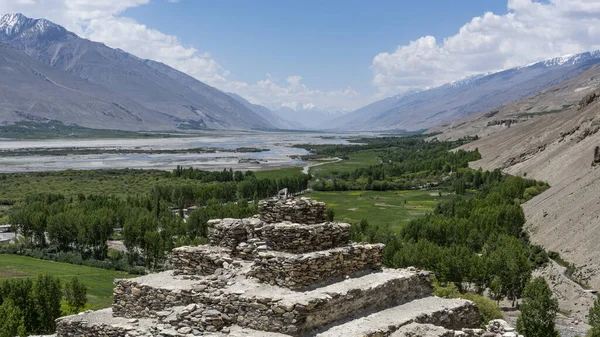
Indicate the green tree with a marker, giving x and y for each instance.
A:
(538, 310)
(47, 294)
(509, 263)
(75, 294)
(12, 322)
(496, 290)
(594, 319)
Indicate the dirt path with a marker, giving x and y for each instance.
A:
(306, 168)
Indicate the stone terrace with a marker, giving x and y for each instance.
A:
(286, 272)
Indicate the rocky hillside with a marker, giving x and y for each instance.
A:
(33, 91)
(424, 109)
(562, 149)
(181, 99)
(553, 100)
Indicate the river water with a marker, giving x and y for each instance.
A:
(279, 143)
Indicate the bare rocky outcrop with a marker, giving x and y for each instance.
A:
(596, 156)
(263, 277)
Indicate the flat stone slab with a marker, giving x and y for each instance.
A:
(96, 323)
(251, 289)
(163, 280)
(447, 313)
(293, 312)
(423, 330)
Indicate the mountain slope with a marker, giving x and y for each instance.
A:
(33, 91)
(552, 100)
(425, 109)
(558, 148)
(268, 114)
(154, 85)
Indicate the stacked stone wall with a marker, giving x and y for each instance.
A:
(299, 238)
(245, 237)
(302, 210)
(294, 318)
(297, 271)
(134, 300)
(199, 260)
(229, 233)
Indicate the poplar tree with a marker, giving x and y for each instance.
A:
(538, 310)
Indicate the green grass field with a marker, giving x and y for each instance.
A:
(279, 173)
(356, 160)
(98, 281)
(394, 208)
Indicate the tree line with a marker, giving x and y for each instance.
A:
(78, 228)
(405, 163)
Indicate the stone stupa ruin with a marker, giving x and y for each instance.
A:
(285, 272)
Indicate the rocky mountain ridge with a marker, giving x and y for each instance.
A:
(425, 109)
(182, 100)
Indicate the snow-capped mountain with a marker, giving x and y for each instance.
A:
(268, 114)
(309, 114)
(181, 100)
(457, 99)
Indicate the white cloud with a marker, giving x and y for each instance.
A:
(101, 20)
(530, 31)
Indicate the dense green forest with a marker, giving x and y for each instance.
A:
(475, 242)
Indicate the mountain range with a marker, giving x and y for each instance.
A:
(120, 87)
(421, 110)
(50, 74)
(310, 115)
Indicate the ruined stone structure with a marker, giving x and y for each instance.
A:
(285, 272)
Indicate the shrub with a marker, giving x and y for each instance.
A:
(330, 214)
(487, 307)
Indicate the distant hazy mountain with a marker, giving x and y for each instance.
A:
(311, 115)
(268, 114)
(425, 109)
(181, 99)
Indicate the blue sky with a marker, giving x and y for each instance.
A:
(337, 55)
(330, 43)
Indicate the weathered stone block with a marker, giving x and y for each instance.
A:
(302, 270)
(200, 260)
(299, 210)
(299, 238)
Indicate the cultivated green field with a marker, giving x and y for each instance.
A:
(394, 208)
(356, 160)
(278, 173)
(98, 281)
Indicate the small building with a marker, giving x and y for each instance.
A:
(6, 238)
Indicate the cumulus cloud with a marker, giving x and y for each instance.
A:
(530, 31)
(102, 21)
(275, 93)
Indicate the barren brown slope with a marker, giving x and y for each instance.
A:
(557, 148)
(556, 99)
